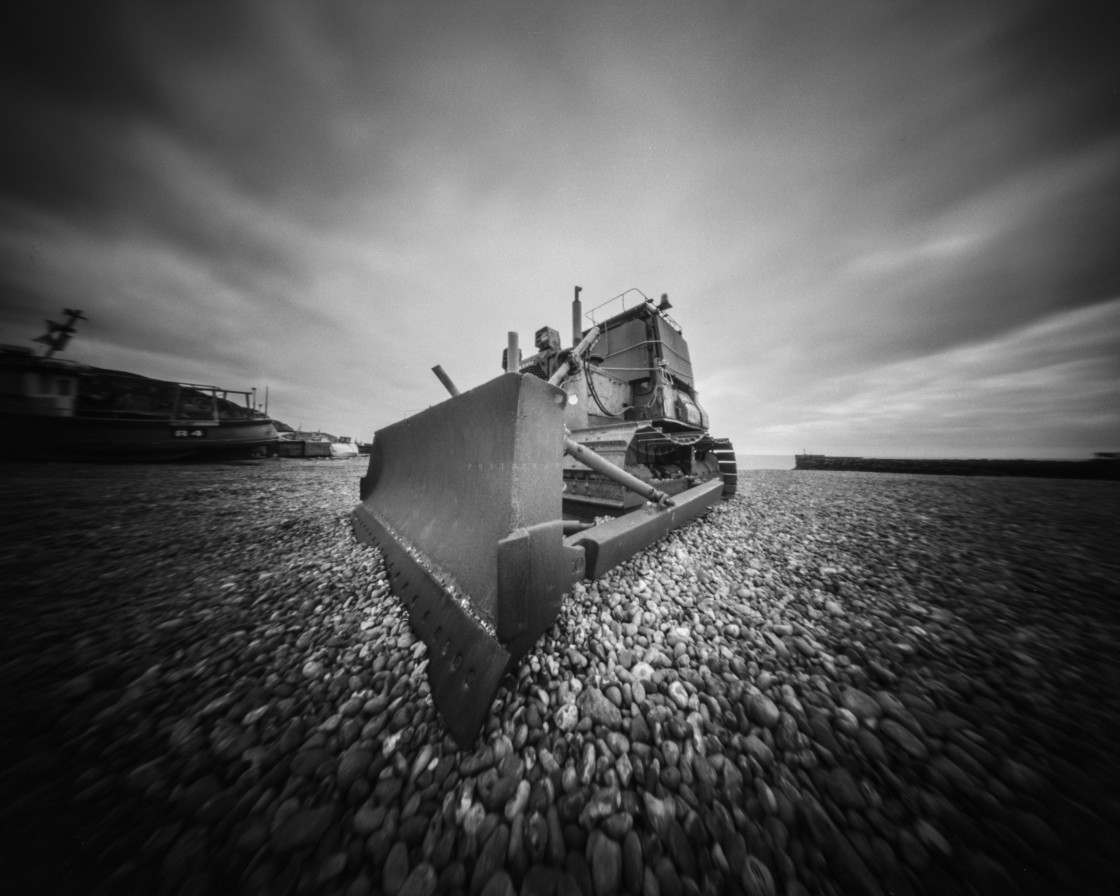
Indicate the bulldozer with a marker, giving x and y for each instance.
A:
(490, 506)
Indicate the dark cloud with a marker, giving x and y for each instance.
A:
(67, 70)
(82, 54)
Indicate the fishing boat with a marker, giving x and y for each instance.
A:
(52, 408)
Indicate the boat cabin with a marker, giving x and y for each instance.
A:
(31, 385)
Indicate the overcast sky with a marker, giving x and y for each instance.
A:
(886, 228)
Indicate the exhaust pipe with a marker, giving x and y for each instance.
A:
(577, 317)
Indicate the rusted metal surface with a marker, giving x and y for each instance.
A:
(604, 467)
(617, 540)
(465, 664)
(464, 499)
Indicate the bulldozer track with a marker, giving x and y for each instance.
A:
(728, 466)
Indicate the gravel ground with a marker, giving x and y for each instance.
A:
(837, 683)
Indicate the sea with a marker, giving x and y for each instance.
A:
(765, 461)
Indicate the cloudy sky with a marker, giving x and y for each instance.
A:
(887, 228)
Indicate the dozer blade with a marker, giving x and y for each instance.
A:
(615, 541)
(464, 501)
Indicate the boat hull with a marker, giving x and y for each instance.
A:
(36, 437)
(303, 448)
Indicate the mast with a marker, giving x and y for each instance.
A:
(57, 334)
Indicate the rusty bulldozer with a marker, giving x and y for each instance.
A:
(490, 506)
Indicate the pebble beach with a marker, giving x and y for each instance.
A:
(835, 683)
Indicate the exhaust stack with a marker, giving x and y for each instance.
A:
(577, 317)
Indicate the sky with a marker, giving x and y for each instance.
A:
(886, 228)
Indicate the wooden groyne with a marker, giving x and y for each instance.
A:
(1100, 467)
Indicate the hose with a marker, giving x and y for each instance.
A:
(591, 391)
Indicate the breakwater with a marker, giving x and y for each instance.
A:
(1094, 468)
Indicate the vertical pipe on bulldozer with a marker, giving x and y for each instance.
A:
(513, 354)
(577, 318)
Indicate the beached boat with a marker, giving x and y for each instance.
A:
(292, 445)
(52, 408)
(304, 444)
(344, 448)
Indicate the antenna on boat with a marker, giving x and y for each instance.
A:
(57, 334)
